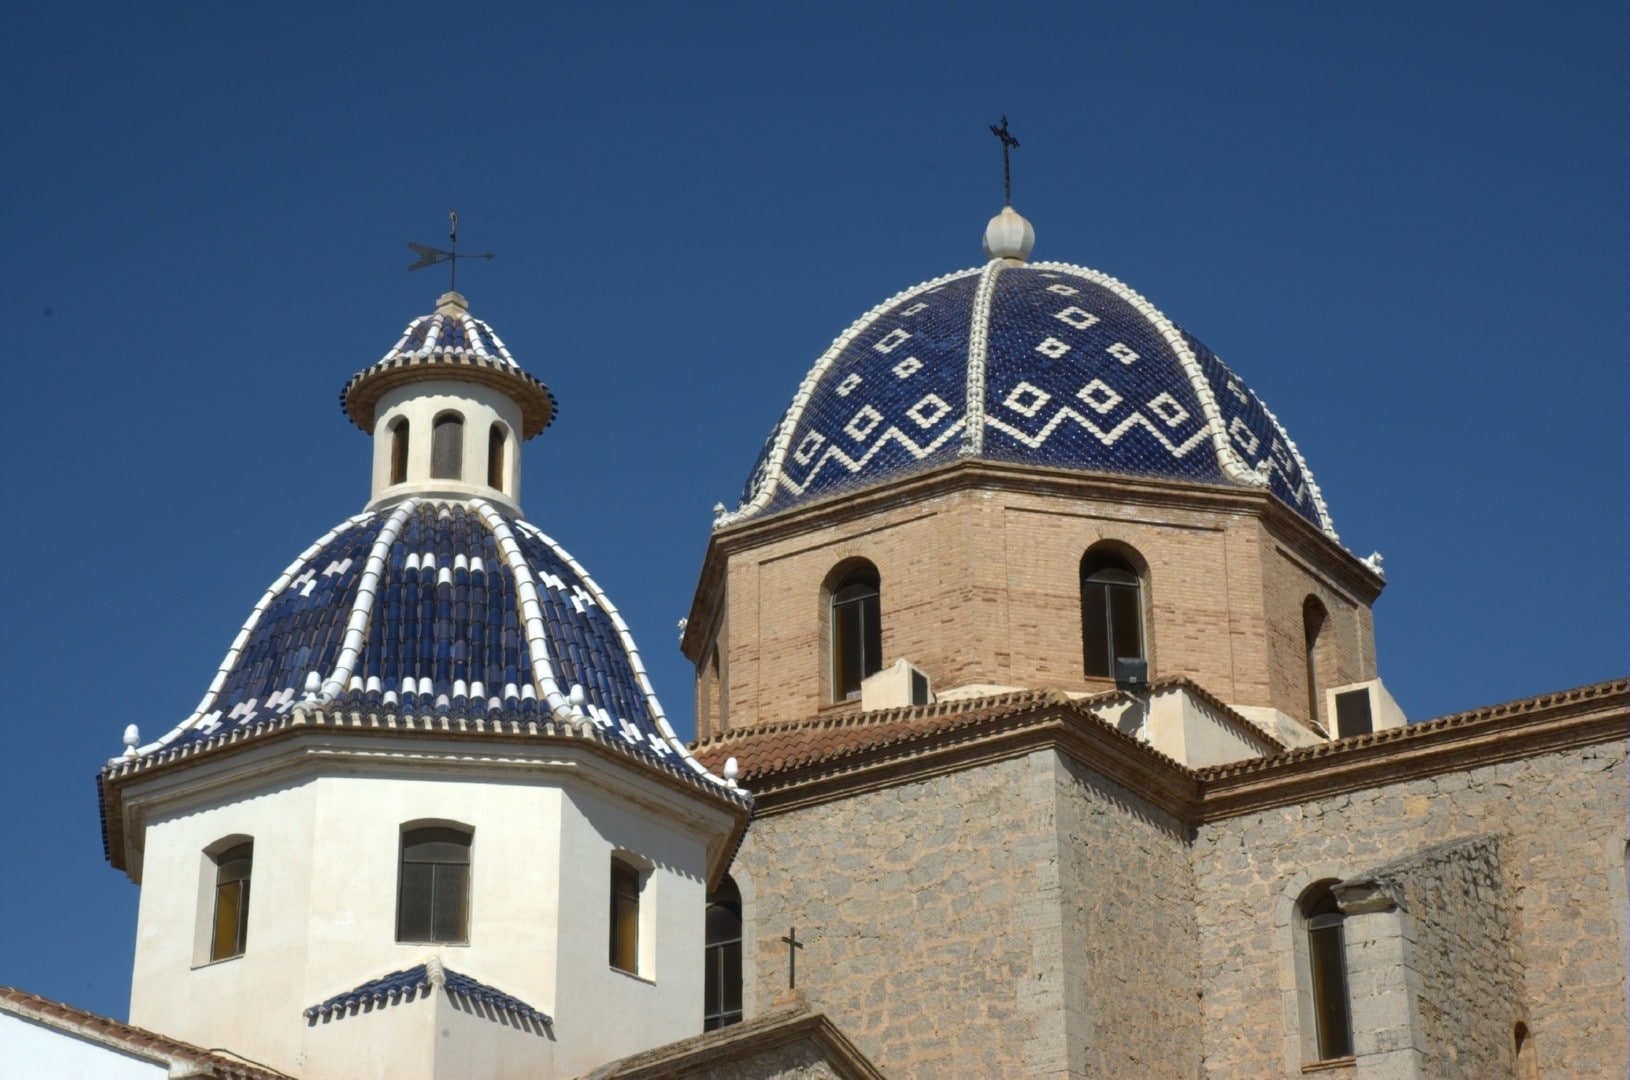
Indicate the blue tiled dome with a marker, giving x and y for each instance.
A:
(1045, 364)
(436, 608)
(449, 343)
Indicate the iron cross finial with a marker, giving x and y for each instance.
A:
(1008, 143)
(429, 256)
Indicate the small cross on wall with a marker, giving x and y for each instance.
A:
(793, 945)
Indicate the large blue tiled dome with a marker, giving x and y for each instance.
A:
(436, 608)
(1045, 364)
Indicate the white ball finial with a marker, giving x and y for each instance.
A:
(1009, 236)
(132, 740)
(731, 769)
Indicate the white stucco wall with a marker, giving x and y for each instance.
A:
(420, 403)
(322, 912)
(28, 1049)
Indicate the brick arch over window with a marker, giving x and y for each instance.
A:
(1114, 608)
(1319, 651)
(851, 621)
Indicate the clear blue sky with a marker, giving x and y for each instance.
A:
(1403, 224)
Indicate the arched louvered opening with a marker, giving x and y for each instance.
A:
(399, 451)
(447, 447)
(497, 439)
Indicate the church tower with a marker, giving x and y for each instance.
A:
(429, 818)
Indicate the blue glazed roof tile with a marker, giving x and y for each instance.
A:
(410, 983)
(1067, 368)
(465, 610)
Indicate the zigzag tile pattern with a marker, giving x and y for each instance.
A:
(890, 403)
(1078, 378)
(1071, 370)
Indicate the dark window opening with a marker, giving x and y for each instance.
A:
(857, 633)
(229, 935)
(1111, 614)
(1353, 713)
(399, 451)
(433, 894)
(495, 457)
(721, 990)
(1313, 619)
(447, 447)
(1327, 969)
(625, 917)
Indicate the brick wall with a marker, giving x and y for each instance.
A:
(983, 586)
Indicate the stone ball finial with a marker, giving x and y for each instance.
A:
(1009, 236)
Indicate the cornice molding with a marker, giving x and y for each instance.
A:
(1018, 724)
(977, 474)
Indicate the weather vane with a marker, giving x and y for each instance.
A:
(1008, 143)
(429, 256)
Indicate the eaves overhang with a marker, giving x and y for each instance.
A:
(315, 740)
(794, 766)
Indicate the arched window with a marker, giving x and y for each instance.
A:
(229, 934)
(856, 631)
(447, 447)
(495, 457)
(1111, 613)
(721, 983)
(1326, 972)
(625, 916)
(1314, 617)
(399, 450)
(433, 889)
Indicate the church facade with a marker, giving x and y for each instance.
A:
(1040, 733)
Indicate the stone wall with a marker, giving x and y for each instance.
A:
(930, 917)
(1130, 955)
(1561, 826)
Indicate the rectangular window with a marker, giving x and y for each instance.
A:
(1353, 713)
(433, 889)
(625, 917)
(230, 932)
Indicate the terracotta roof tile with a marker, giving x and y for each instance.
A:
(133, 1040)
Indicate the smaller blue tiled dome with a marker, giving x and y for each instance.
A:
(449, 343)
(437, 608)
(1044, 364)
